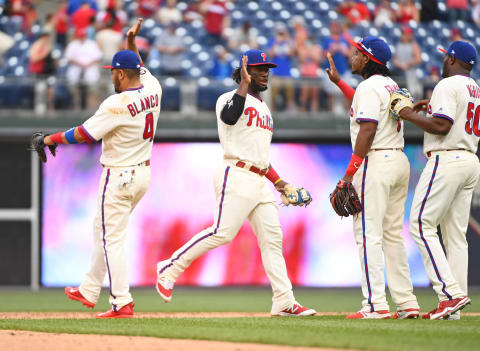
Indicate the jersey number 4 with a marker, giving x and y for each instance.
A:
(148, 131)
(473, 115)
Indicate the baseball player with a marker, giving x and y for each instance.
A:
(126, 124)
(379, 171)
(245, 128)
(444, 192)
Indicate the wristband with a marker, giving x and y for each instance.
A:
(272, 176)
(70, 136)
(354, 165)
(57, 138)
(277, 181)
(346, 89)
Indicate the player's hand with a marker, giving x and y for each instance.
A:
(421, 105)
(246, 78)
(280, 186)
(332, 71)
(133, 32)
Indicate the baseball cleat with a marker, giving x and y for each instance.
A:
(455, 316)
(409, 313)
(427, 315)
(164, 285)
(384, 314)
(296, 310)
(447, 307)
(124, 312)
(75, 294)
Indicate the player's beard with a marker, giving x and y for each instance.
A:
(116, 84)
(257, 87)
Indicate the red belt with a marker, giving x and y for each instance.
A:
(429, 153)
(253, 169)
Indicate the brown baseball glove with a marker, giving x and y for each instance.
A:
(344, 199)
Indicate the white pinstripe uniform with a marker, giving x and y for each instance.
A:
(382, 184)
(242, 194)
(444, 192)
(126, 123)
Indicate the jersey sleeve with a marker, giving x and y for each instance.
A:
(443, 103)
(368, 106)
(102, 122)
(221, 102)
(146, 78)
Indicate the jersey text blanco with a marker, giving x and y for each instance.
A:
(126, 123)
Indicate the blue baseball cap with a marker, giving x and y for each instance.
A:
(125, 59)
(463, 51)
(257, 58)
(375, 48)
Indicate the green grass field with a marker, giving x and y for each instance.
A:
(322, 331)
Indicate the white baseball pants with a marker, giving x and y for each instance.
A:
(115, 203)
(241, 194)
(382, 185)
(443, 197)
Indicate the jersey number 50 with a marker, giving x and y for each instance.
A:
(473, 115)
(148, 131)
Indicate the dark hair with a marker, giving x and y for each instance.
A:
(236, 75)
(372, 68)
(132, 73)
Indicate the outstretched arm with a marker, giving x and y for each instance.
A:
(434, 125)
(74, 135)
(131, 35)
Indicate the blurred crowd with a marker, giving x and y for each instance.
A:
(87, 33)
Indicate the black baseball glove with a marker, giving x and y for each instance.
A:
(344, 199)
(37, 144)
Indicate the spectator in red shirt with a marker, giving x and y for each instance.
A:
(114, 17)
(216, 19)
(147, 8)
(81, 18)
(61, 24)
(458, 10)
(407, 11)
(354, 11)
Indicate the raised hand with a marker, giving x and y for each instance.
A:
(332, 71)
(133, 32)
(246, 78)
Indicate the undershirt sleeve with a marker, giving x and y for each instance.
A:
(233, 109)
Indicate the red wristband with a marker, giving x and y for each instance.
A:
(57, 138)
(272, 175)
(354, 165)
(346, 89)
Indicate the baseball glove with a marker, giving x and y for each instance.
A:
(344, 199)
(398, 101)
(295, 196)
(37, 144)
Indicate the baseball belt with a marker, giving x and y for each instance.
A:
(253, 169)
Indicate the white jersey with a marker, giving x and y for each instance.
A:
(249, 139)
(371, 104)
(457, 99)
(126, 123)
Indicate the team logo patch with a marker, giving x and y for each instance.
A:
(264, 56)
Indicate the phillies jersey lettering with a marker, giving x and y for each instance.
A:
(371, 104)
(145, 103)
(265, 122)
(126, 123)
(249, 139)
(456, 99)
